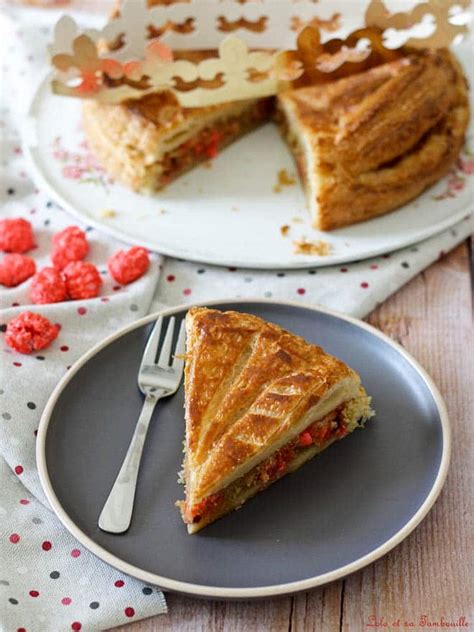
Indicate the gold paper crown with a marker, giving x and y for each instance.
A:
(208, 52)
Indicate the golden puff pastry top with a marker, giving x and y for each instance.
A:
(247, 384)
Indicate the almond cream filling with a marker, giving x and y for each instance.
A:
(336, 424)
(305, 156)
(345, 390)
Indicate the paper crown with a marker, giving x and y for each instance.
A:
(208, 52)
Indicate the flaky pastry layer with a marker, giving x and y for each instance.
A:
(367, 144)
(295, 453)
(145, 144)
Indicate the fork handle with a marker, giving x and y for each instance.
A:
(116, 515)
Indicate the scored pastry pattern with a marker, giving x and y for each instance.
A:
(244, 381)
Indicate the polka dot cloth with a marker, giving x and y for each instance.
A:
(47, 581)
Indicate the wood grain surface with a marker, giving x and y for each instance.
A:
(431, 574)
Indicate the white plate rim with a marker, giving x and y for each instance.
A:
(218, 592)
(31, 153)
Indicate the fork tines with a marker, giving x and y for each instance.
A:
(151, 350)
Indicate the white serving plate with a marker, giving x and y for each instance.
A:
(227, 214)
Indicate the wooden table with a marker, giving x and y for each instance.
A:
(432, 572)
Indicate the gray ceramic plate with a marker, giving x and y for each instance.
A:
(336, 514)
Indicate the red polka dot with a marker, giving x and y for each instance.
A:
(129, 612)
(75, 553)
(66, 601)
(170, 278)
(21, 630)
(14, 538)
(116, 288)
(374, 266)
(19, 469)
(301, 290)
(34, 593)
(17, 364)
(76, 626)
(64, 348)
(24, 501)
(46, 546)
(119, 583)
(81, 311)
(186, 291)
(364, 285)
(343, 269)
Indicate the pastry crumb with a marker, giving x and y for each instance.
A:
(297, 220)
(163, 211)
(284, 179)
(304, 247)
(108, 213)
(284, 230)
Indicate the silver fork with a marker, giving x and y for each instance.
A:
(156, 379)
